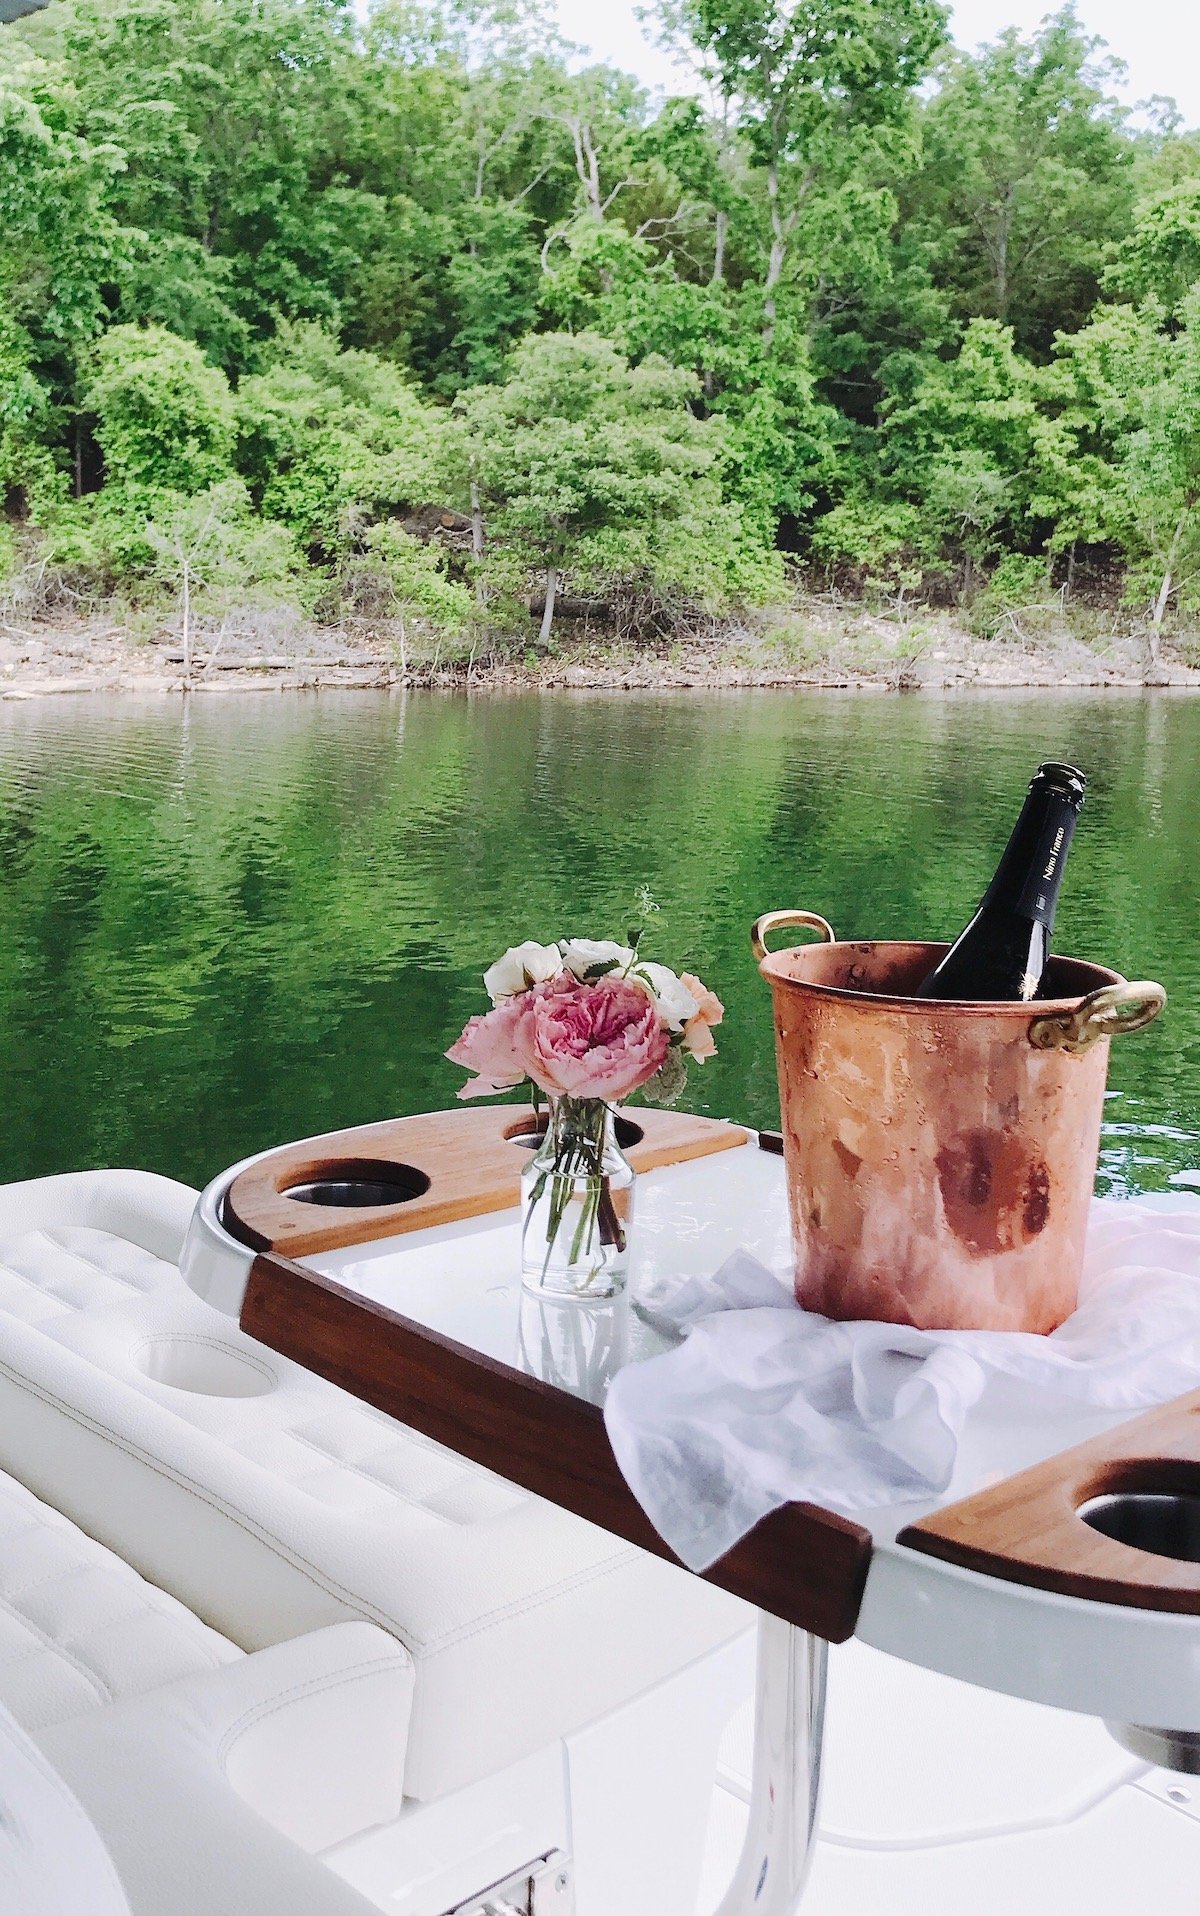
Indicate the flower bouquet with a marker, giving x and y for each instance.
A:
(584, 1023)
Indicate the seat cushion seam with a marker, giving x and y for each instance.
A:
(330, 1462)
(98, 1629)
(295, 1693)
(62, 1574)
(104, 1690)
(81, 1257)
(479, 1626)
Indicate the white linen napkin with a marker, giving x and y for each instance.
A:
(765, 1404)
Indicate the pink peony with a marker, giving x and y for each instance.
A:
(487, 1047)
(598, 1040)
(697, 1032)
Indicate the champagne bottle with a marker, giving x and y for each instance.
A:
(1003, 951)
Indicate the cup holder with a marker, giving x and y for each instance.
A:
(359, 1184)
(1164, 1523)
(1169, 1749)
(527, 1135)
(203, 1366)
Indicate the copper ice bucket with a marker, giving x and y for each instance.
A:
(940, 1156)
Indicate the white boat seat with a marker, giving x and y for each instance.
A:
(207, 1797)
(79, 1628)
(205, 1773)
(271, 1503)
(214, 1793)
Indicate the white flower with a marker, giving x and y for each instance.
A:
(521, 966)
(582, 955)
(673, 1001)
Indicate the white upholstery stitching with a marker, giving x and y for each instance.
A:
(313, 1686)
(59, 1648)
(360, 1469)
(81, 1257)
(52, 1576)
(320, 1578)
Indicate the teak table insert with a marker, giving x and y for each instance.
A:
(1028, 1530)
(446, 1165)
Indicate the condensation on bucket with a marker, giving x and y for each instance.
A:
(940, 1167)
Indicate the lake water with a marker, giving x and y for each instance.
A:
(248, 917)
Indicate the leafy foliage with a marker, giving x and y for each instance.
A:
(587, 461)
(470, 332)
(331, 439)
(164, 415)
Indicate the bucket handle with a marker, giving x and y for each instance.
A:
(771, 921)
(1105, 1014)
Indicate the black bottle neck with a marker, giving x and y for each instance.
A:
(1029, 875)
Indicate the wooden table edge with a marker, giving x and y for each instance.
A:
(802, 1563)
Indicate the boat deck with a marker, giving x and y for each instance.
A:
(942, 1799)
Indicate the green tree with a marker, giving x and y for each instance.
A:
(28, 478)
(586, 462)
(1026, 178)
(331, 440)
(164, 416)
(461, 135)
(231, 117)
(60, 243)
(1160, 473)
(60, 248)
(411, 577)
(968, 445)
(813, 84)
(1160, 258)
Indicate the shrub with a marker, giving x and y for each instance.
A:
(164, 415)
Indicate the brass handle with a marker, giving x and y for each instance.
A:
(1105, 1014)
(771, 921)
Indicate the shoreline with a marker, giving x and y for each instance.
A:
(852, 653)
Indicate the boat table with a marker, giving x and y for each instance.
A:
(386, 1259)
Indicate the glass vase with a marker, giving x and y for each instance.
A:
(577, 1204)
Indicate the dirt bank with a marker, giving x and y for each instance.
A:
(817, 646)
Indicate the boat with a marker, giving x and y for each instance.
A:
(264, 1646)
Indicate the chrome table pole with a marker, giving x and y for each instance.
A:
(789, 1715)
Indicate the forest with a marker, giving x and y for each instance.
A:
(416, 318)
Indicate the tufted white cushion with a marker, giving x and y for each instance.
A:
(271, 1503)
(48, 1274)
(79, 1628)
(207, 1771)
(208, 1793)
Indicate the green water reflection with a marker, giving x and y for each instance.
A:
(260, 916)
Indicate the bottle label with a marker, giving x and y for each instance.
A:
(1039, 894)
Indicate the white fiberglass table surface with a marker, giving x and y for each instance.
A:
(459, 1282)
